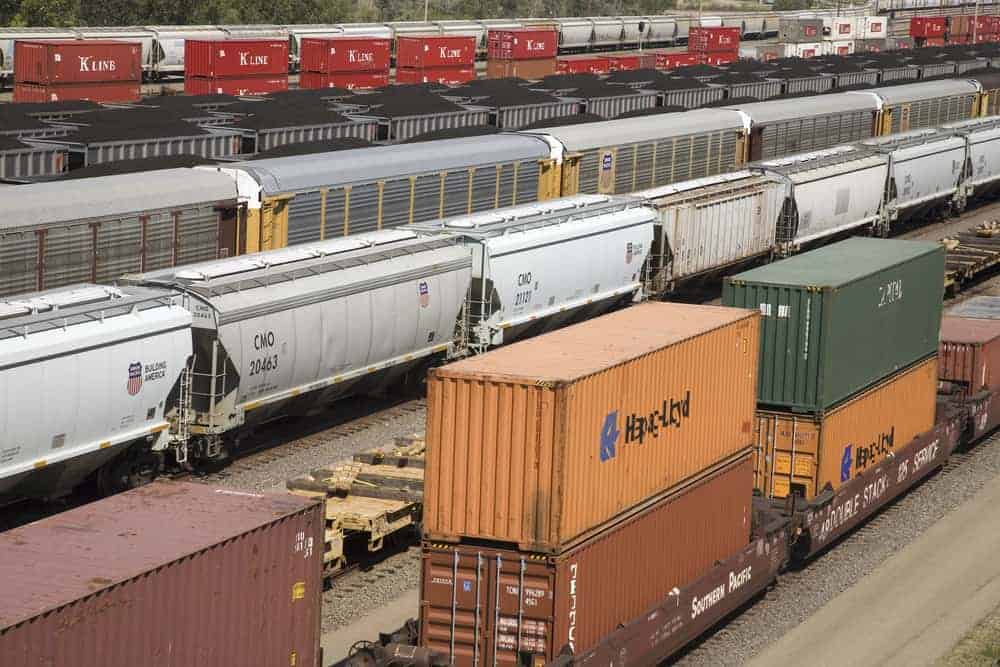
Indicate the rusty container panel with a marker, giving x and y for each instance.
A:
(969, 353)
(77, 61)
(531, 70)
(801, 454)
(484, 601)
(615, 410)
(170, 574)
(128, 91)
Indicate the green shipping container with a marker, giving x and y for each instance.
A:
(839, 319)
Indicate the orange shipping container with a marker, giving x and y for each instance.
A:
(543, 442)
(802, 453)
(485, 606)
(522, 69)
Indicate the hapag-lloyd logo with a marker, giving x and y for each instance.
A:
(88, 64)
(248, 59)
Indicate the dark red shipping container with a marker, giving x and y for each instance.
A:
(720, 57)
(928, 26)
(483, 605)
(969, 353)
(531, 70)
(704, 40)
(631, 62)
(345, 54)
(582, 65)
(235, 57)
(241, 86)
(448, 76)
(418, 52)
(349, 81)
(522, 44)
(169, 574)
(76, 61)
(94, 92)
(669, 61)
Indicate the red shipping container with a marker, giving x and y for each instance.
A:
(168, 574)
(713, 39)
(669, 61)
(418, 52)
(77, 61)
(928, 26)
(344, 54)
(969, 353)
(235, 57)
(582, 65)
(94, 92)
(240, 86)
(522, 44)
(344, 80)
(720, 57)
(932, 41)
(448, 76)
(522, 69)
(478, 602)
(959, 39)
(631, 62)
(984, 38)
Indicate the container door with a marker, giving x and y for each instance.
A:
(454, 619)
(786, 451)
(521, 611)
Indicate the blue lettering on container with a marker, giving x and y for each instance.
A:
(845, 464)
(609, 436)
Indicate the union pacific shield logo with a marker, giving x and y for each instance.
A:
(134, 378)
(425, 294)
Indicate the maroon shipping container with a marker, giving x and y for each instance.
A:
(674, 60)
(522, 44)
(235, 57)
(481, 605)
(241, 86)
(418, 52)
(76, 61)
(582, 65)
(631, 62)
(720, 57)
(448, 76)
(928, 26)
(344, 54)
(346, 81)
(931, 41)
(169, 574)
(969, 353)
(531, 70)
(94, 92)
(705, 40)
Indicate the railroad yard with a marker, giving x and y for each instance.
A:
(539, 343)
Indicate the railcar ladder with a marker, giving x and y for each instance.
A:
(185, 414)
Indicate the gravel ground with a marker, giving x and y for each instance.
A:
(358, 593)
(269, 469)
(979, 648)
(800, 594)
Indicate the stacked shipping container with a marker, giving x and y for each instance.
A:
(235, 66)
(525, 53)
(847, 359)
(715, 46)
(584, 64)
(435, 58)
(351, 63)
(601, 452)
(59, 70)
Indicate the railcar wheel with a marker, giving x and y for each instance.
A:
(362, 654)
(129, 471)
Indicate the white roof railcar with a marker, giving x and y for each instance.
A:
(982, 136)
(314, 322)
(536, 267)
(85, 371)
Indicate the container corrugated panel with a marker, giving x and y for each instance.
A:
(172, 569)
(240, 86)
(211, 145)
(811, 84)
(801, 454)
(401, 129)
(762, 90)
(272, 138)
(969, 353)
(94, 92)
(235, 58)
(610, 107)
(345, 54)
(32, 161)
(693, 98)
(516, 117)
(617, 409)
(865, 78)
(483, 605)
(820, 310)
(907, 72)
(435, 51)
(77, 61)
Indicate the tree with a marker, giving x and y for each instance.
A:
(790, 5)
(56, 13)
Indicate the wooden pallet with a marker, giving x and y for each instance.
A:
(375, 496)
